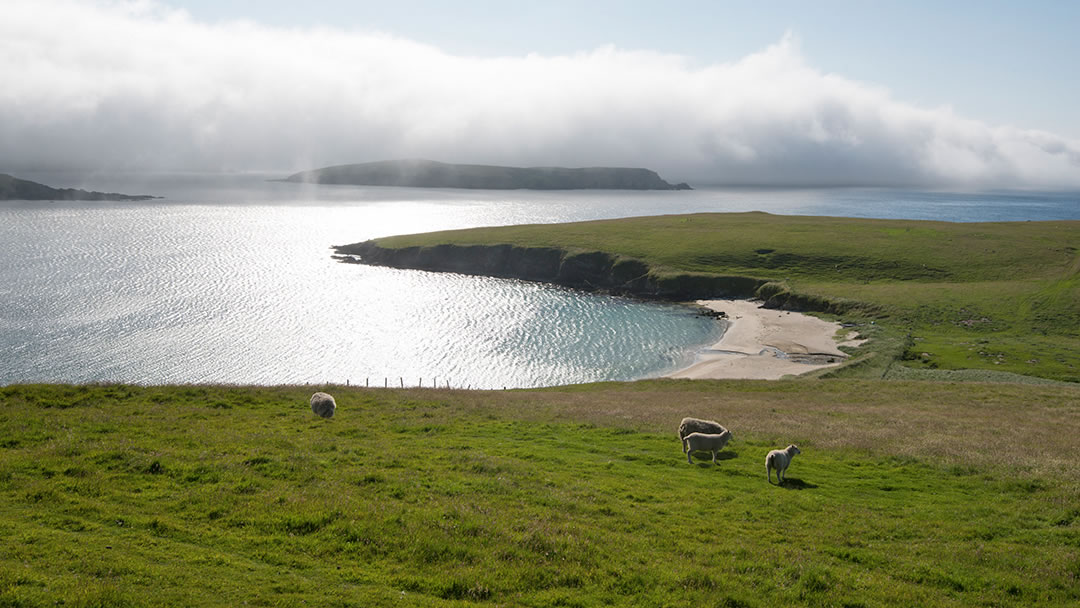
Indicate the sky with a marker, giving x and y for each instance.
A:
(952, 94)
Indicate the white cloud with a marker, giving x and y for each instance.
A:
(137, 85)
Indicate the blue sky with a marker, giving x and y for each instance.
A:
(952, 94)
(1002, 62)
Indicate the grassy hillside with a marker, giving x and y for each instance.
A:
(996, 296)
(928, 494)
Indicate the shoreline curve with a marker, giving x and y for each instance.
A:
(766, 344)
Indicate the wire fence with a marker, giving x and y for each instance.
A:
(434, 382)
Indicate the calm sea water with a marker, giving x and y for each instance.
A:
(229, 279)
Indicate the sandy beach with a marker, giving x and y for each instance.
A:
(752, 345)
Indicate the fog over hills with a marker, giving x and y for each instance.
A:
(13, 188)
(421, 173)
(237, 96)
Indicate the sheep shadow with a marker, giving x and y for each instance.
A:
(704, 459)
(794, 483)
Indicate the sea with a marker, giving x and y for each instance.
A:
(229, 279)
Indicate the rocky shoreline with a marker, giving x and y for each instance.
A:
(589, 271)
(758, 343)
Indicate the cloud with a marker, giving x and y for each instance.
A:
(140, 86)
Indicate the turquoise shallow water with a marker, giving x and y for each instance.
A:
(229, 279)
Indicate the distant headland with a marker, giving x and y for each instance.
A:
(417, 173)
(13, 188)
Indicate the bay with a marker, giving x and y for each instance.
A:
(229, 279)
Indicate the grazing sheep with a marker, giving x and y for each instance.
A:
(780, 460)
(323, 404)
(697, 425)
(705, 443)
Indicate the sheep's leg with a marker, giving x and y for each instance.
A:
(714, 456)
(686, 448)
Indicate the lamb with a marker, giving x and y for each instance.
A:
(706, 443)
(696, 425)
(780, 460)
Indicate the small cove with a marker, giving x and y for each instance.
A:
(229, 279)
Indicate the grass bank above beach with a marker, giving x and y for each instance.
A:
(906, 493)
(1000, 297)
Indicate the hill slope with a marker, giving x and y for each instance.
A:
(13, 188)
(905, 494)
(432, 174)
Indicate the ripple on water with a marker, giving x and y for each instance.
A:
(192, 290)
(249, 294)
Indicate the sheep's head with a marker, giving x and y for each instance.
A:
(794, 449)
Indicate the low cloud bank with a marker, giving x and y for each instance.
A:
(139, 86)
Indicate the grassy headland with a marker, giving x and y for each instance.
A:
(13, 188)
(419, 173)
(907, 493)
(1001, 297)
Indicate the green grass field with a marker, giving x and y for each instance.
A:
(906, 494)
(1001, 297)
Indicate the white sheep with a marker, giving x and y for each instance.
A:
(697, 425)
(780, 460)
(323, 404)
(705, 442)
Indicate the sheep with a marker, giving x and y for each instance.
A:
(696, 425)
(706, 443)
(323, 404)
(780, 460)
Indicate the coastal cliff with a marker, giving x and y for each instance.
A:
(587, 270)
(13, 188)
(417, 173)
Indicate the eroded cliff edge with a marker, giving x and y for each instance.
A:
(586, 270)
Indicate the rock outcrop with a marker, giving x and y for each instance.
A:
(588, 270)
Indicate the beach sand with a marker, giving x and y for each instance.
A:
(747, 347)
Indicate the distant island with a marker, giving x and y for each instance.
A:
(417, 173)
(13, 188)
